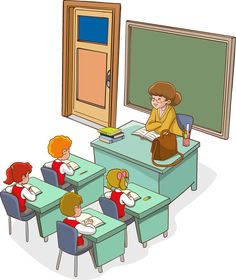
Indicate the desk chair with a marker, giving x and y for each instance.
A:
(109, 208)
(11, 206)
(50, 177)
(183, 120)
(67, 242)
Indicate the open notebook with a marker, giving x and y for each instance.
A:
(144, 134)
(74, 165)
(34, 189)
(84, 216)
(134, 195)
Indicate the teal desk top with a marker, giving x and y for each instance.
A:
(111, 226)
(49, 197)
(143, 208)
(138, 150)
(93, 171)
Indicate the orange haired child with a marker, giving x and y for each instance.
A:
(70, 207)
(18, 173)
(59, 148)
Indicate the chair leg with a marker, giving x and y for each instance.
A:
(75, 266)
(126, 238)
(122, 258)
(92, 257)
(59, 259)
(9, 225)
(100, 270)
(27, 231)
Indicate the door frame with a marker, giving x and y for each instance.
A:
(67, 54)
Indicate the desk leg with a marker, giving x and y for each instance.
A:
(102, 250)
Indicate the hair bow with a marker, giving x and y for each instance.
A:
(121, 174)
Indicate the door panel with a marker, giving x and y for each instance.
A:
(91, 81)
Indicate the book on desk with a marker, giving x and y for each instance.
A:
(85, 216)
(36, 190)
(73, 165)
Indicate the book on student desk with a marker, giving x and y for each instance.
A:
(34, 189)
(134, 195)
(73, 165)
(85, 216)
(144, 134)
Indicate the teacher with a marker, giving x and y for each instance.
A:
(163, 97)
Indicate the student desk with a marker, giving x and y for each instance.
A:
(89, 184)
(46, 207)
(151, 216)
(133, 154)
(109, 239)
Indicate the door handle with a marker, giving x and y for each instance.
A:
(108, 78)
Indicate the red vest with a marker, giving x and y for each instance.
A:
(56, 167)
(74, 223)
(17, 192)
(115, 196)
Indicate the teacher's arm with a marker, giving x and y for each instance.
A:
(152, 124)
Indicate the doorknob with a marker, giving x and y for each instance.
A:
(108, 78)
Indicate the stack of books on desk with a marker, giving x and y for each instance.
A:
(110, 134)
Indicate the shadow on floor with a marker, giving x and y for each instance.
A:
(46, 253)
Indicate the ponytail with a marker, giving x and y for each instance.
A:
(16, 171)
(10, 178)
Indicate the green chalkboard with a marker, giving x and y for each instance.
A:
(199, 64)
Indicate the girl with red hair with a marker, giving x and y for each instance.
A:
(18, 173)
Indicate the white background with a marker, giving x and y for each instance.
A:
(201, 242)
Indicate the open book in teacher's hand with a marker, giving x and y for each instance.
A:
(144, 134)
(73, 165)
(33, 188)
(85, 216)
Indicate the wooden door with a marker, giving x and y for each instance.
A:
(90, 62)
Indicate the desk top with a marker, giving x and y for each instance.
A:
(111, 226)
(143, 208)
(49, 197)
(138, 150)
(93, 171)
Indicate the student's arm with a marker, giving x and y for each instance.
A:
(48, 164)
(127, 200)
(28, 195)
(152, 124)
(89, 229)
(107, 195)
(64, 169)
(9, 189)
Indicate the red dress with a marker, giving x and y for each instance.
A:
(56, 167)
(16, 191)
(115, 196)
(74, 223)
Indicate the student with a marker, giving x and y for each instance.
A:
(70, 207)
(18, 173)
(163, 97)
(59, 148)
(117, 180)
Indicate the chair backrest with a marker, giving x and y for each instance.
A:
(67, 238)
(11, 205)
(109, 207)
(183, 120)
(50, 176)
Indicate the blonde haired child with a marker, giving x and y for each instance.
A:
(70, 206)
(59, 148)
(117, 181)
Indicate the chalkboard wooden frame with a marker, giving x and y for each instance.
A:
(228, 77)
